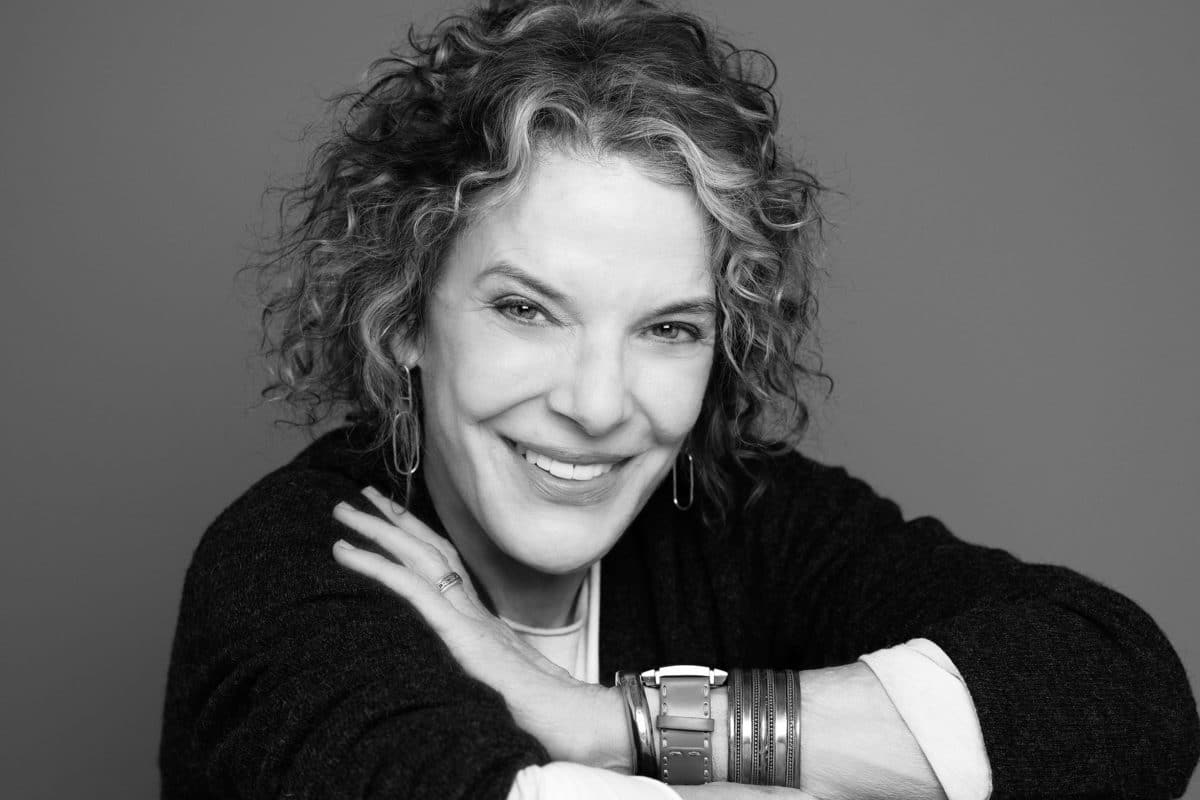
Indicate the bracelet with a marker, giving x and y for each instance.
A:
(758, 715)
(791, 774)
(644, 758)
(764, 727)
(734, 723)
(745, 745)
(780, 729)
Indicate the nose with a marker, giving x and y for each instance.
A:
(592, 388)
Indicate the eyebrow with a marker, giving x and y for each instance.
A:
(508, 270)
(700, 305)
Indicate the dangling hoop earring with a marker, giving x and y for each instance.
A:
(406, 426)
(691, 483)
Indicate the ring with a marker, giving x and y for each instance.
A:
(449, 580)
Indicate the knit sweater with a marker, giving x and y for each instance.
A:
(293, 677)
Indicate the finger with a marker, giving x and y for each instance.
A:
(400, 517)
(386, 505)
(431, 604)
(414, 553)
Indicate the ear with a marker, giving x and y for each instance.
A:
(405, 350)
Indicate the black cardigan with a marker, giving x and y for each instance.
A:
(293, 677)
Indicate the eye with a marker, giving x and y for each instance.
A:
(519, 309)
(674, 332)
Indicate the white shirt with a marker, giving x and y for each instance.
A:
(920, 679)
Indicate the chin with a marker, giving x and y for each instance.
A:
(555, 542)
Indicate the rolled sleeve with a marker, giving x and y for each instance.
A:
(929, 694)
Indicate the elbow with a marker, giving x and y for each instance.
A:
(1158, 752)
(1170, 746)
(1130, 683)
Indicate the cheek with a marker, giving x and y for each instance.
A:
(671, 392)
(486, 371)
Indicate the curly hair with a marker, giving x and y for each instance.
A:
(449, 129)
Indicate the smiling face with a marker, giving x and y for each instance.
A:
(566, 352)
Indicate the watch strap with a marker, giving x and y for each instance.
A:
(685, 730)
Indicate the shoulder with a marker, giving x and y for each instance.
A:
(334, 465)
(790, 487)
(286, 517)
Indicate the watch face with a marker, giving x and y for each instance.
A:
(716, 677)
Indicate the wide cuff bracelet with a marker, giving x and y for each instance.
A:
(645, 760)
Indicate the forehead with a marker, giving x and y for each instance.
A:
(598, 225)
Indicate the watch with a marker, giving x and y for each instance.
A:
(685, 724)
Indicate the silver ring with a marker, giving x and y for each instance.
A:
(449, 580)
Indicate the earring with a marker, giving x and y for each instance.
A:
(691, 483)
(406, 429)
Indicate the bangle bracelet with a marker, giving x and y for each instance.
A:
(746, 746)
(771, 709)
(759, 725)
(791, 775)
(734, 695)
(764, 727)
(645, 761)
(782, 725)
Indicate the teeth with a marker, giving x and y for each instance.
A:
(567, 471)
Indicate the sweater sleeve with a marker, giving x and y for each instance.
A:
(1078, 692)
(293, 677)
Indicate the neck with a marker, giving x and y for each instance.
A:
(516, 591)
(540, 601)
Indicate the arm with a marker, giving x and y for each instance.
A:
(1077, 691)
(928, 692)
(853, 742)
(494, 654)
(291, 676)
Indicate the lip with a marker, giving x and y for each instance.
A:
(563, 490)
(570, 456)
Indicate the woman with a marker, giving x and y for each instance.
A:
(556, 270)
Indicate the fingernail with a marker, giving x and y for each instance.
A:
(342, 544)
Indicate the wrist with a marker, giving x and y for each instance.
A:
(607, 741)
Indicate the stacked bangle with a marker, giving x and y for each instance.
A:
(644, 759)
(764, 727)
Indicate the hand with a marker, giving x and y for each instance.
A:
(566, 715)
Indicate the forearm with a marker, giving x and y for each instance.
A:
(853, 742)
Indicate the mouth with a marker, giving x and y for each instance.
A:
(566, 471)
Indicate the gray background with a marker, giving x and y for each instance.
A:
(1008, 314)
